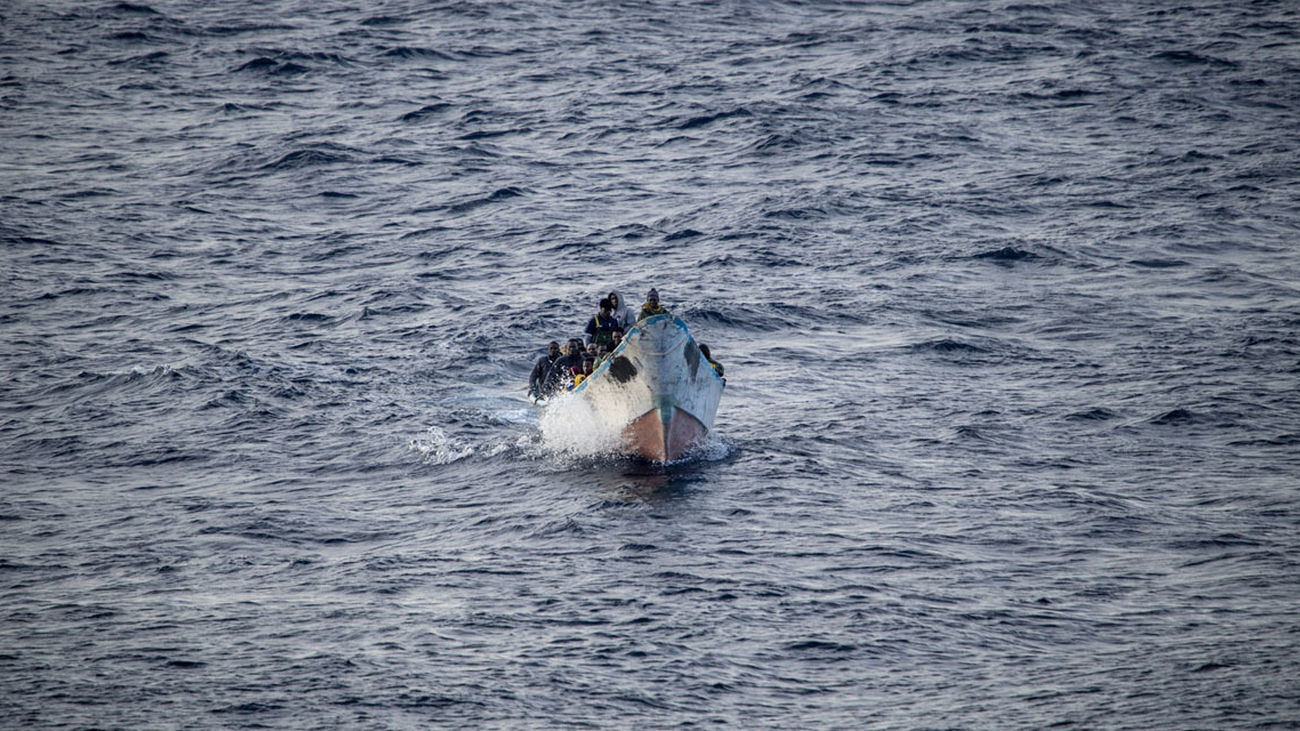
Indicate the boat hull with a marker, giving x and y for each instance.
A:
(656, 389)
(650, 438)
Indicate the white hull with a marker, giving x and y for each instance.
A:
(657, 389)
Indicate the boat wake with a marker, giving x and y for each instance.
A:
(437, 447)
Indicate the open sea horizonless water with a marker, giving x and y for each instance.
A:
(1008, 295)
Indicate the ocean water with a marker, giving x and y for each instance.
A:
(1008, 296)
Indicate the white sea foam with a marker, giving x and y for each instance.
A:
(572, 428)
(440, 448)
(715, 448)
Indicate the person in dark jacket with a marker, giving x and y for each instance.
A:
(537, 378)
(717, 367)
(564, 368)
(588, 367)
(600, 331)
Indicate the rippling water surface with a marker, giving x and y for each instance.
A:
(1008, 295)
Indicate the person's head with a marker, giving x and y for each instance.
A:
(553, 349)
(591, 349)
(602, 351)
(605, 306)
(574, 347)
(652, 298)
(613, 300)
(618, 337)
(588, 365)
(705, 350)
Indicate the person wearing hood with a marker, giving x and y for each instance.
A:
(621, 311)
(651, 306)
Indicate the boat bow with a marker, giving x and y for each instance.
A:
(657, 388)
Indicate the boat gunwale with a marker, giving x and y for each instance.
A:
(604, 365)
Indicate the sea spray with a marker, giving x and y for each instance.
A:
(440, 448)
(571, 426)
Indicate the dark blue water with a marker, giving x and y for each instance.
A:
(1008, 295)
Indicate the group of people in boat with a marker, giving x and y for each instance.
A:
(558, 371)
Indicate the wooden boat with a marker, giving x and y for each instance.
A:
(657, 388)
